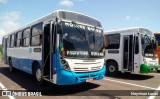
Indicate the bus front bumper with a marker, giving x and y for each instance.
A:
(147, 69)
(70, 78)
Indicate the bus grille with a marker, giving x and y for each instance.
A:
(87, 69)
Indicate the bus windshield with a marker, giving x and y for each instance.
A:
(80, 41)
(148, 46)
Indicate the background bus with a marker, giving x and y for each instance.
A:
(157, 36)
(63, 47)
(130, 50)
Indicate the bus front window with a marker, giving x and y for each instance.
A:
(95, 39)
(79, 41)
(148, 46)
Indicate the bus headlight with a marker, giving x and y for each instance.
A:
(65, 64)
(145, 62)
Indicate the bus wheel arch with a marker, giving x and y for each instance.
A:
(112, 67)
(37, 72)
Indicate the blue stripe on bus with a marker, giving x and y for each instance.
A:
(24, 64)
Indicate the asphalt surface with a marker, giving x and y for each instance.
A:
(123, 86)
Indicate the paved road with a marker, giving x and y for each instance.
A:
(108, 88)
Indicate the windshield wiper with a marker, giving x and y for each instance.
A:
(94, 40)
(82, 33)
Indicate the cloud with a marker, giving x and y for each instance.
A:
(2, 32)
(9, 22)
(135, 18)
(3, 1)
(79, 0)
(68, 3)
(14, 15)
(128, 18)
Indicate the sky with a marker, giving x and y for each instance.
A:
(113, 14)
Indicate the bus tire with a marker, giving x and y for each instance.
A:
(38, 75)
(11, 69)
(112, 68)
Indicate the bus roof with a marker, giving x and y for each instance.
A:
(132, 29)
(63, 15)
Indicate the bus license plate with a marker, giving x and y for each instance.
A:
(89, 80)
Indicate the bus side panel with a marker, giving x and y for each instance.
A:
(137, 63)
(56, 66)
(14, 57)
(114, 56)
(4, 50)
(23, 59)
(28, 67)
(35, 54)
(15, 62)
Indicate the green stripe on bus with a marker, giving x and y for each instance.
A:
(144, 68)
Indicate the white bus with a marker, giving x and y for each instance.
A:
(63, 47)
(130, 50)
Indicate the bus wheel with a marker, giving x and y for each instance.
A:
(38, 75)
(112, 68)
(10, 66)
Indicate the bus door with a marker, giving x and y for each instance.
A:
(136, 54)
(48, 46)
(128, 53)
(4, 50)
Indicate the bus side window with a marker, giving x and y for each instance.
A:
(26, 39)
(113, 41)
(15, 40)
(12, 41)
(36, 35)
(18, 40)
